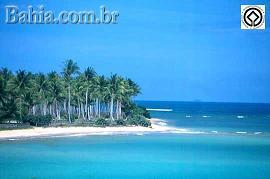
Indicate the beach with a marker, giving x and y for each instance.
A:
(158, 125)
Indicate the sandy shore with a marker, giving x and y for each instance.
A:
(158, 125)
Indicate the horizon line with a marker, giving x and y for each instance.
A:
(203, 101)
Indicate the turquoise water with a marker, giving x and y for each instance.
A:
(149, 156)
(225, 154)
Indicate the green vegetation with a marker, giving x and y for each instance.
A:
(80, 98)
(38, 120)
(102, 122)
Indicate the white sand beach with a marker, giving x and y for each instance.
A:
(158, 125)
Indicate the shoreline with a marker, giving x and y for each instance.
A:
(158, 126)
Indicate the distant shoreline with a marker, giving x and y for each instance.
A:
(158, 125)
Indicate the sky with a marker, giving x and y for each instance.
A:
(175, 50)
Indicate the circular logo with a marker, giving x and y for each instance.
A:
(252, 17)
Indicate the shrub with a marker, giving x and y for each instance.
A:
(38, 120)
(101, 122)
(131, 109)
(64, 116)
(11, 126)
(120, 122)
(144, 122)
(145, 113)
(138, 120)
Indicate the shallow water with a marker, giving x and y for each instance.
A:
(148, 156)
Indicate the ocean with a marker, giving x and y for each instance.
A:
(218, 117)
(234, 143)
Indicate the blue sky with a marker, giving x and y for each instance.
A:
(175, 50)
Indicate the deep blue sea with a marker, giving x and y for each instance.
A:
(220, 154)
(218, 117)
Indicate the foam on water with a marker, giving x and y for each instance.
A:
(162, 123)
(241, 132)
(77, 135)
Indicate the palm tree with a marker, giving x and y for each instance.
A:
(78, 93)
(56, 91)
(134, 88)
(69, 70)
(20, 83)
(113, 91)
(5, 76)
(3, 91)
(96, 94)
(89, 74)
(42, 87)
(8, 107)
(103, 91)
(30, 100)
(8, 110)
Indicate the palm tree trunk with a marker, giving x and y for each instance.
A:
(55, 109)
(108, 107)
(120, 109)
(44, 109)
(65, 106)
(89, 112)
(59, 114)
(99, 109)
(86, 102)
(34, 110)
(50, 109)
(56, 112)
(111, 108)
(117, 109)
(20, 107)
(69, 104)
(96, 107)
(82, 110)
(79, 110)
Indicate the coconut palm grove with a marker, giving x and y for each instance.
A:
(69, 98)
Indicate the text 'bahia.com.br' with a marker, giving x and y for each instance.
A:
(39, 15)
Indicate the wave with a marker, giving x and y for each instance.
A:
(188, 116)
(13, 139)
(205, 116)
(241, 132)
(163, 110)
(162, 123)
(184, 132)
(240, 117)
